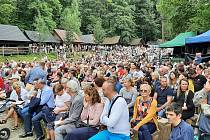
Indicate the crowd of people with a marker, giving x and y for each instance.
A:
(107, 97)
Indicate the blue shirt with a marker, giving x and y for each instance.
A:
(182, 132)
(36, 72)
(47, 97)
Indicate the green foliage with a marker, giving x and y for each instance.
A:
(70, 21)
(99, 32)
(182, 15)
(7, 10)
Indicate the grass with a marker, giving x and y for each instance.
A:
(40, 56)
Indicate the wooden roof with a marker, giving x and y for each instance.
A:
(62, 35)
(88, 39)
(111, 40)
(137, 41)
(34, 36)
(12, 33)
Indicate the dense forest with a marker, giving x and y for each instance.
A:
(145, 19)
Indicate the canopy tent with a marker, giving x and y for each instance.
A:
(202, 38)
(178, 41)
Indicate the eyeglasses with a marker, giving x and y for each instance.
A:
(143, 91)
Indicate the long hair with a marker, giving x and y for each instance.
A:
(179, 86)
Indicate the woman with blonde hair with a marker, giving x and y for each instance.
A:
(129, 93)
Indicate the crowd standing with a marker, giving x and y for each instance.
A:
(106, 97)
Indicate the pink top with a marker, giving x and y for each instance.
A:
(94, 113)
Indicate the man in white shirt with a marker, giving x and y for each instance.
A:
(115, 115)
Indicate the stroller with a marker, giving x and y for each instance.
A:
(4, 132)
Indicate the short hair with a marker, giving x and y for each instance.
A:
(147, 86)
(174, 107)
(57, 88)
(111, 83)
(73, 85)
(99, 81)
(91, 91)
(42, 81)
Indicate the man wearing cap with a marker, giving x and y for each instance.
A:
(46, 99)
(65, 126)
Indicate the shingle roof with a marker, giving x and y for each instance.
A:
(34, 36)
(111, 40)
(87, 39)
(12, 33)
(62, 35)
(137, 41)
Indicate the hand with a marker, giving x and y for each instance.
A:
(132, 120)
(136, 129)
(85, 103)
(56, 111)
(159, 109)
(184, 108)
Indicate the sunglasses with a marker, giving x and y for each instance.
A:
(143, 91)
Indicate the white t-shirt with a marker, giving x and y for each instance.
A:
(60, 100)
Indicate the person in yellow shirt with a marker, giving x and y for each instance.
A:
(144, 120)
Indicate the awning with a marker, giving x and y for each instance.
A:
(178, 41)
(202, 38)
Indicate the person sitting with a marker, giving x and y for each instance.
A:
(18, 94)
(90, 115)
(181, 130)
(129, 93)
(144, 119)
(65, 125)
(115, 115)
(62, 100)
(46, 99)
(184, 98)
(163, 95)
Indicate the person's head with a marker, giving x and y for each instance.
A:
(192, 73)
(155, 75)
(64, 82)
(35, 83)
(163, 81)
(145, 90)
(42, 65)
(128, 83)
(127, 70)
(98, 82)
(58, 89)
(108, 88)
(174, 113)
(184, 84)
(72, 87)
(41, 83)
(207, 86)
(16, 86)
(92, 95)
(172, 75)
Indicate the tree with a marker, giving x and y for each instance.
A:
(70, 21)
(41, 28)
(99, 32)
(7, 10)
(148, 26)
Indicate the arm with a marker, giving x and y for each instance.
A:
(190, 104)
(77, 109)
(116, 112)
(45, 97)
(135, 108)
(135, 94)
(169, 99)
(155, 96)
(199, 97)
(97, 114)
(150, 115)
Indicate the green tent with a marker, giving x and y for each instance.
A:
(178, 41)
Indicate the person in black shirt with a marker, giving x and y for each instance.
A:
(163, 95)
(184, 98)
(198, 80)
